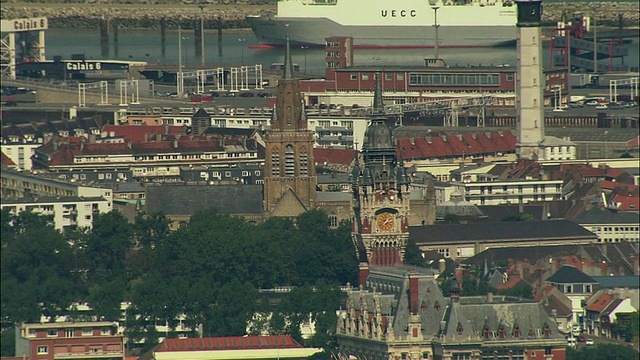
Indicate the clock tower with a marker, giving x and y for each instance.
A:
(380, 199)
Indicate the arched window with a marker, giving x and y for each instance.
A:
(423, 306)
(516, 332)
(486, 333)
(437, 306)
(547, 331)
(304, 163)
(501, 333)
(289, 161)
(459, 329)
(275, 162)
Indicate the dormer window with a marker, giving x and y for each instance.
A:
(516, 333)
(486, 333)
(423, 306)
(437, 306)
(501, 333)
(531, 333)
(460, 329)
(546, 331)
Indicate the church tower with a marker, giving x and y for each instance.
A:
(289, 164)
(380, 198)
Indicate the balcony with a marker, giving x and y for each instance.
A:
(113, 354)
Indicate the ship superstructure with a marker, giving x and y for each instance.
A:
(390, 23)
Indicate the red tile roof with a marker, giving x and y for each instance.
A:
(633, 143)
(509, 284)
(627, 203)
(600, 303)
(139, 133)
(6, 161)
(229, 343)
(442, 145)
(333, 156)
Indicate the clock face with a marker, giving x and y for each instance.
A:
(385, 221)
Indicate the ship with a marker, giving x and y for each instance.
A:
(387, 23)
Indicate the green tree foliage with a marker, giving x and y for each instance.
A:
(412, 254)
(629, 328)
(603, 352)
(8, 342)
(38, 274)
(209, 271)
(518, 217)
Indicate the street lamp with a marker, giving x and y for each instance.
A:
(433, 4)
(305, 57)
(242, 49)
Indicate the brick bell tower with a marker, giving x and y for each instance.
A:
(380, 198)
(289, 163)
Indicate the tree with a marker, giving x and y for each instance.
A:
(38, 273)
(518, 217)
(603, 352)
(8, 342)
(412, 254)
(234, 307)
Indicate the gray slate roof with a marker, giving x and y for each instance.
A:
(502, 231)
(606, 216)
(568, 274)
(610, 282)
(188, 199)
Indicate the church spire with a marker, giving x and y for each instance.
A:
(288, 64)
(378, 106)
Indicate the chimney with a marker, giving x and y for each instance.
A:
(363, 273)
(129, 144)
(414, 303)
(442, 265)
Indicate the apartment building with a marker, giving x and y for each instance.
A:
(70, 340)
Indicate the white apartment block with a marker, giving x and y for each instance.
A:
(611, 225)
(64, 212)
(517, 191)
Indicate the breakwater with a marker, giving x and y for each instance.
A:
(232, 15)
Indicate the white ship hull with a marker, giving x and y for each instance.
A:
(388, 23)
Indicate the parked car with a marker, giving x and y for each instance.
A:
(602, 106)
(592, 103)
(589, 342)
(246, 94)
(615, 106)
(575, 104)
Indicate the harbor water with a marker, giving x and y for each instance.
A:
(238, 48)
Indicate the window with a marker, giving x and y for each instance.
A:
(289, 161)
(52, 332)
(43, 349)
(69, 332)
(353, 76)
(87, 331)
(388, 76)
(365, 76)
(460, 329)
(245, 173)
(304, 160)
(400, 76)
(333, 221)
(436, 306)
(256, 173)
(275, 164)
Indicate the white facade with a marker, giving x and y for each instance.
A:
(558, 149)
(512, 191)
(62, 212)
(614, 232)
(20, 153)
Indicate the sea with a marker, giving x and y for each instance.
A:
(241, 47)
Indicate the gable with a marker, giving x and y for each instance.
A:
(289, 205)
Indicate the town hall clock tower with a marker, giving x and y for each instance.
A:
(380, 198)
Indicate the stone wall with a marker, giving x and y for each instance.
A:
(85, 15)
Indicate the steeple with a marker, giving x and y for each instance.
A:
(378, 106)
(288, 64)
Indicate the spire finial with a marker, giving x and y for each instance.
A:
(377, 96)
(288, 64)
